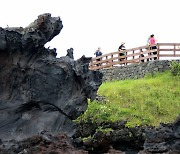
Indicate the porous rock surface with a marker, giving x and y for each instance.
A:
(39, 92)
(164, 139)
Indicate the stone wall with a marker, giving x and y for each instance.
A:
(135, 71)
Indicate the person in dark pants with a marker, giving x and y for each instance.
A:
(122, 47)
(98, 53)
(152, 42)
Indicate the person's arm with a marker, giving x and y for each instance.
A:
(119, 48)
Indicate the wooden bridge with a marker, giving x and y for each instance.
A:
(136, 55)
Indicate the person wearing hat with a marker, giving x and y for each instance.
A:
(122, 47)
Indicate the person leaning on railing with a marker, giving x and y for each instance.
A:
(121, 48)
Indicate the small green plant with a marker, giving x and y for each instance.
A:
(85, 139)
(104, 130)
(175, 68)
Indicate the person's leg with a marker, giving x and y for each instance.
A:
(155, 53)
(98, 63)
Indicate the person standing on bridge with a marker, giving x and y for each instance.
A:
(152, 42)
(122, 48)
(98, 53)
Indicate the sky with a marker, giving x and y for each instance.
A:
(89, 24)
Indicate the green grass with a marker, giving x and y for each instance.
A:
(148, 101)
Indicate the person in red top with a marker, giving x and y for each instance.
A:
(152, 42)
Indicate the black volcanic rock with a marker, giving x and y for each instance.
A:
(41, 144)
(164, 139)
(39, 92)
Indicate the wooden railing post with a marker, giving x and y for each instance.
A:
(174, 50)
(133, 55)
(106, 60)
(111, 60)
(125, 58)
(118, 57)
(158, 46)
(140, 57)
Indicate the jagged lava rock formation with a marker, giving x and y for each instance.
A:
(39, 92)
(164, 139)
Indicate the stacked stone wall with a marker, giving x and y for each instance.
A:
(135, 71)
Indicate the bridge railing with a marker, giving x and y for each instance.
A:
(136, 55)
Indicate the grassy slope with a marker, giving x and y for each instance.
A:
(147, 101)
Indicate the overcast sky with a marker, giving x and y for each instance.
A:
(89, 24)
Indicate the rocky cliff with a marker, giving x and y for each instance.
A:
(39, 92)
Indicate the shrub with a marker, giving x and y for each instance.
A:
(175, 68)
